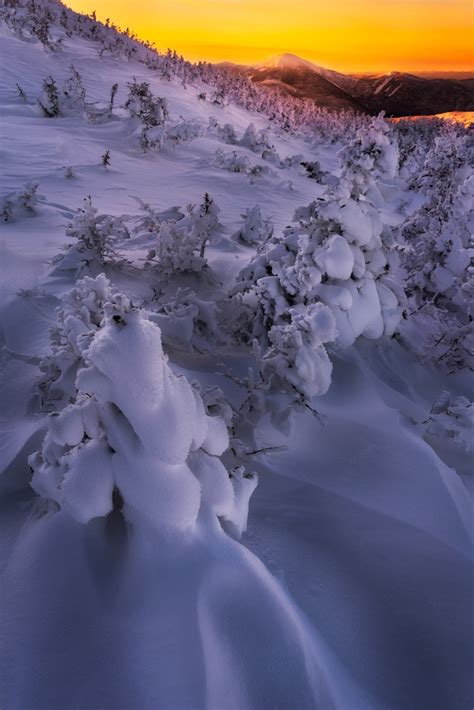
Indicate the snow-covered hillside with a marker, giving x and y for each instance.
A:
(237, 419)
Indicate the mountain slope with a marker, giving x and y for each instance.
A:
(308, 83)
(398, 93)
(323, 603)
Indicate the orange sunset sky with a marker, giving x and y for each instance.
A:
(347, 35)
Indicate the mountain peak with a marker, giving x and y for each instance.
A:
(287, 61)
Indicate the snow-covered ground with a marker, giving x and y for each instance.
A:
(124, 583)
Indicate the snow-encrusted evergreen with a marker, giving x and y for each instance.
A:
(339, 256)
(19, 203)
(151, 422)
(438, 257)
(80, 315)
(94, 235)
(256, 230)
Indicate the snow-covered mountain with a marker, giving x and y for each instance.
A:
(403, 94)
(236, 398)
(292, 61)
(396, 93)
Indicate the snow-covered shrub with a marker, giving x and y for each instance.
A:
(215, 403)
(297, 355)
(227, 134)
(313, 170)
(189, 320)
(20, 203)
(372, 155)
(453, 419)
(80, 315)
(181, 246)
(271, 156)
(292, 161)
(49, 98)
(255, 230)
(332, 257)
(414, 140)
(204, 221)
(337, 257)
(102, 114)
(269, 397)
(94, 235)
(256, 141)
(150, 218)
(233, 162)
(178, 249)
(142, 105)
(73, 94)
(438, 258)
(137, 436)
(258, 171)
(31, 19)
(447, 156)
(105, 159)
(219, 98)
(180, 132)
(147, 113)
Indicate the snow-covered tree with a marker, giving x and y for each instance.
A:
(233, 162)
(105, 158)
(178, 249)
(296, 355)
(373, 152)
(49, 98)
(147, 112)
(80, 315)
(256, 141)
(453, 419)
(94, 236)
(337, 256)
(181, 246)
(32, 19)
(227, 134)
(143, 442)
(255, 230)
(438, 258)
(313, 170)
(180, 132)
(19, 203)
(73, 93)
(189, 320)
(204, 221)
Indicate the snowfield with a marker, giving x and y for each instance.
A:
(237, 426)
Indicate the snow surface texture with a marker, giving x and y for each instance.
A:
(237, 401)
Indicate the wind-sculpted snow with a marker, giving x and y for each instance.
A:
(207, 286)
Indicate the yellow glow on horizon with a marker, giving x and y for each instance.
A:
(347, 35)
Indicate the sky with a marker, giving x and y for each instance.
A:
(346, 35)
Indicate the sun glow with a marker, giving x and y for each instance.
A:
(347, 35)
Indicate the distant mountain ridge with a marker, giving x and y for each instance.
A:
(396, 93)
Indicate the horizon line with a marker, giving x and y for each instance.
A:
(251, 54)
